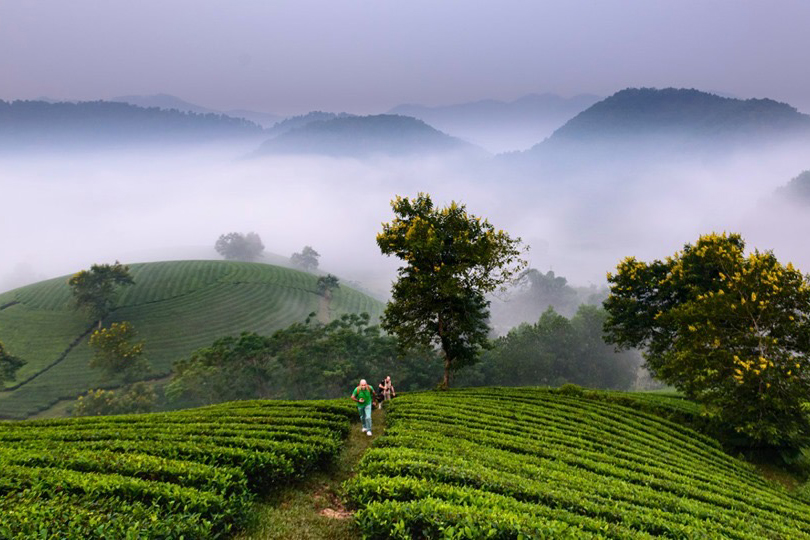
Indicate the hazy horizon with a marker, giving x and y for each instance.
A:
(292, 57)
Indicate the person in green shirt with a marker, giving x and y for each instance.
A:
(362, 395)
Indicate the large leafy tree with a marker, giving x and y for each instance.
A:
(306, 260)
(9, 364)
(452, 260)
(240, 247)
(95, 290)
(729, 329)
(116, 351)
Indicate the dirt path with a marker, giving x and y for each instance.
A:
(313, 509)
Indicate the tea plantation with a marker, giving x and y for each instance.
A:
(533, 463)
(176, 307)
(187, 474)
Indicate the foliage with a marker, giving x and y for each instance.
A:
(133, 399)
(117, 354)
(189, 474)
(176, 306)
(729, 330)
(95, 290)
(529, 463)
(9, 364)
(307, 260)
(554, 351)
(240, 247)
(452, 259)
(304, 361)
(326, 284)
(550, 290)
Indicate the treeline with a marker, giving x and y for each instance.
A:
(311, 361)
(554, 351)
(40, 123)
(306, 360)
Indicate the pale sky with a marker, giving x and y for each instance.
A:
(290, 57)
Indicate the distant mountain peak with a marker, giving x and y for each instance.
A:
(689, 116)
(361, 136)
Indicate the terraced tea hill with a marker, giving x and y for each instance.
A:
(186, 474)
(501, 463)
(176, 307)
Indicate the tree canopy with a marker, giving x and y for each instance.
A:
(236, 246)
(116, 352)
(95, 290)
(326, 284)
(728, 329)
(9, 364)
(554, 351)
(306, 260)
(452, 259)
(304, 361)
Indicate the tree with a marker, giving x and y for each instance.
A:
(9, 364)
(306, 360)
(452, 260)
(306, 260)
(240, 247)
(554, 351)
(95, 290)
(116, 353)
(134, 399)
(729, 330)
(326, 284)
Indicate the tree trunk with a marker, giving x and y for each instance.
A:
(446, 379)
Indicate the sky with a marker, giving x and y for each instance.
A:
(290, 57)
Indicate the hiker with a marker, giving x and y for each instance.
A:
(365, 401)
(380, 393)
(388, 389)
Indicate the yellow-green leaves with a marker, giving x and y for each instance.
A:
(725, 327)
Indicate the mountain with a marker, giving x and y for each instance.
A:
(92, 124)
(167, 101)
(797, 191)
(163, 101)
(363, 136)
(680, 116)
(295, 122)
(502, 126)
(176, 307)
(648, 125)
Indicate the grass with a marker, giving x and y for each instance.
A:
(313, 509)
(176, 307)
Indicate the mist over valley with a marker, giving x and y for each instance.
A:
(599, 189)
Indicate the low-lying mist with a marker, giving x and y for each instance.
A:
(61, 213)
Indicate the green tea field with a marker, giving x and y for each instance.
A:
(176, 307)
(534, 463)
(188, 474)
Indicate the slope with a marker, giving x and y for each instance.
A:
(535, 463)
(176, 307)
(363, 136)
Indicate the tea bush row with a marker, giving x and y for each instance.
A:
(501, 463)
(189, 474)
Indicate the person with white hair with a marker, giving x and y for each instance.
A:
(362, 395)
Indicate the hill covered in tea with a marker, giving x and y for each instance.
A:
(176, 307)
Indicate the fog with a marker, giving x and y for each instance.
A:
(62, 213)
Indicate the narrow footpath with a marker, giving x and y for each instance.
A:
(312, 509)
